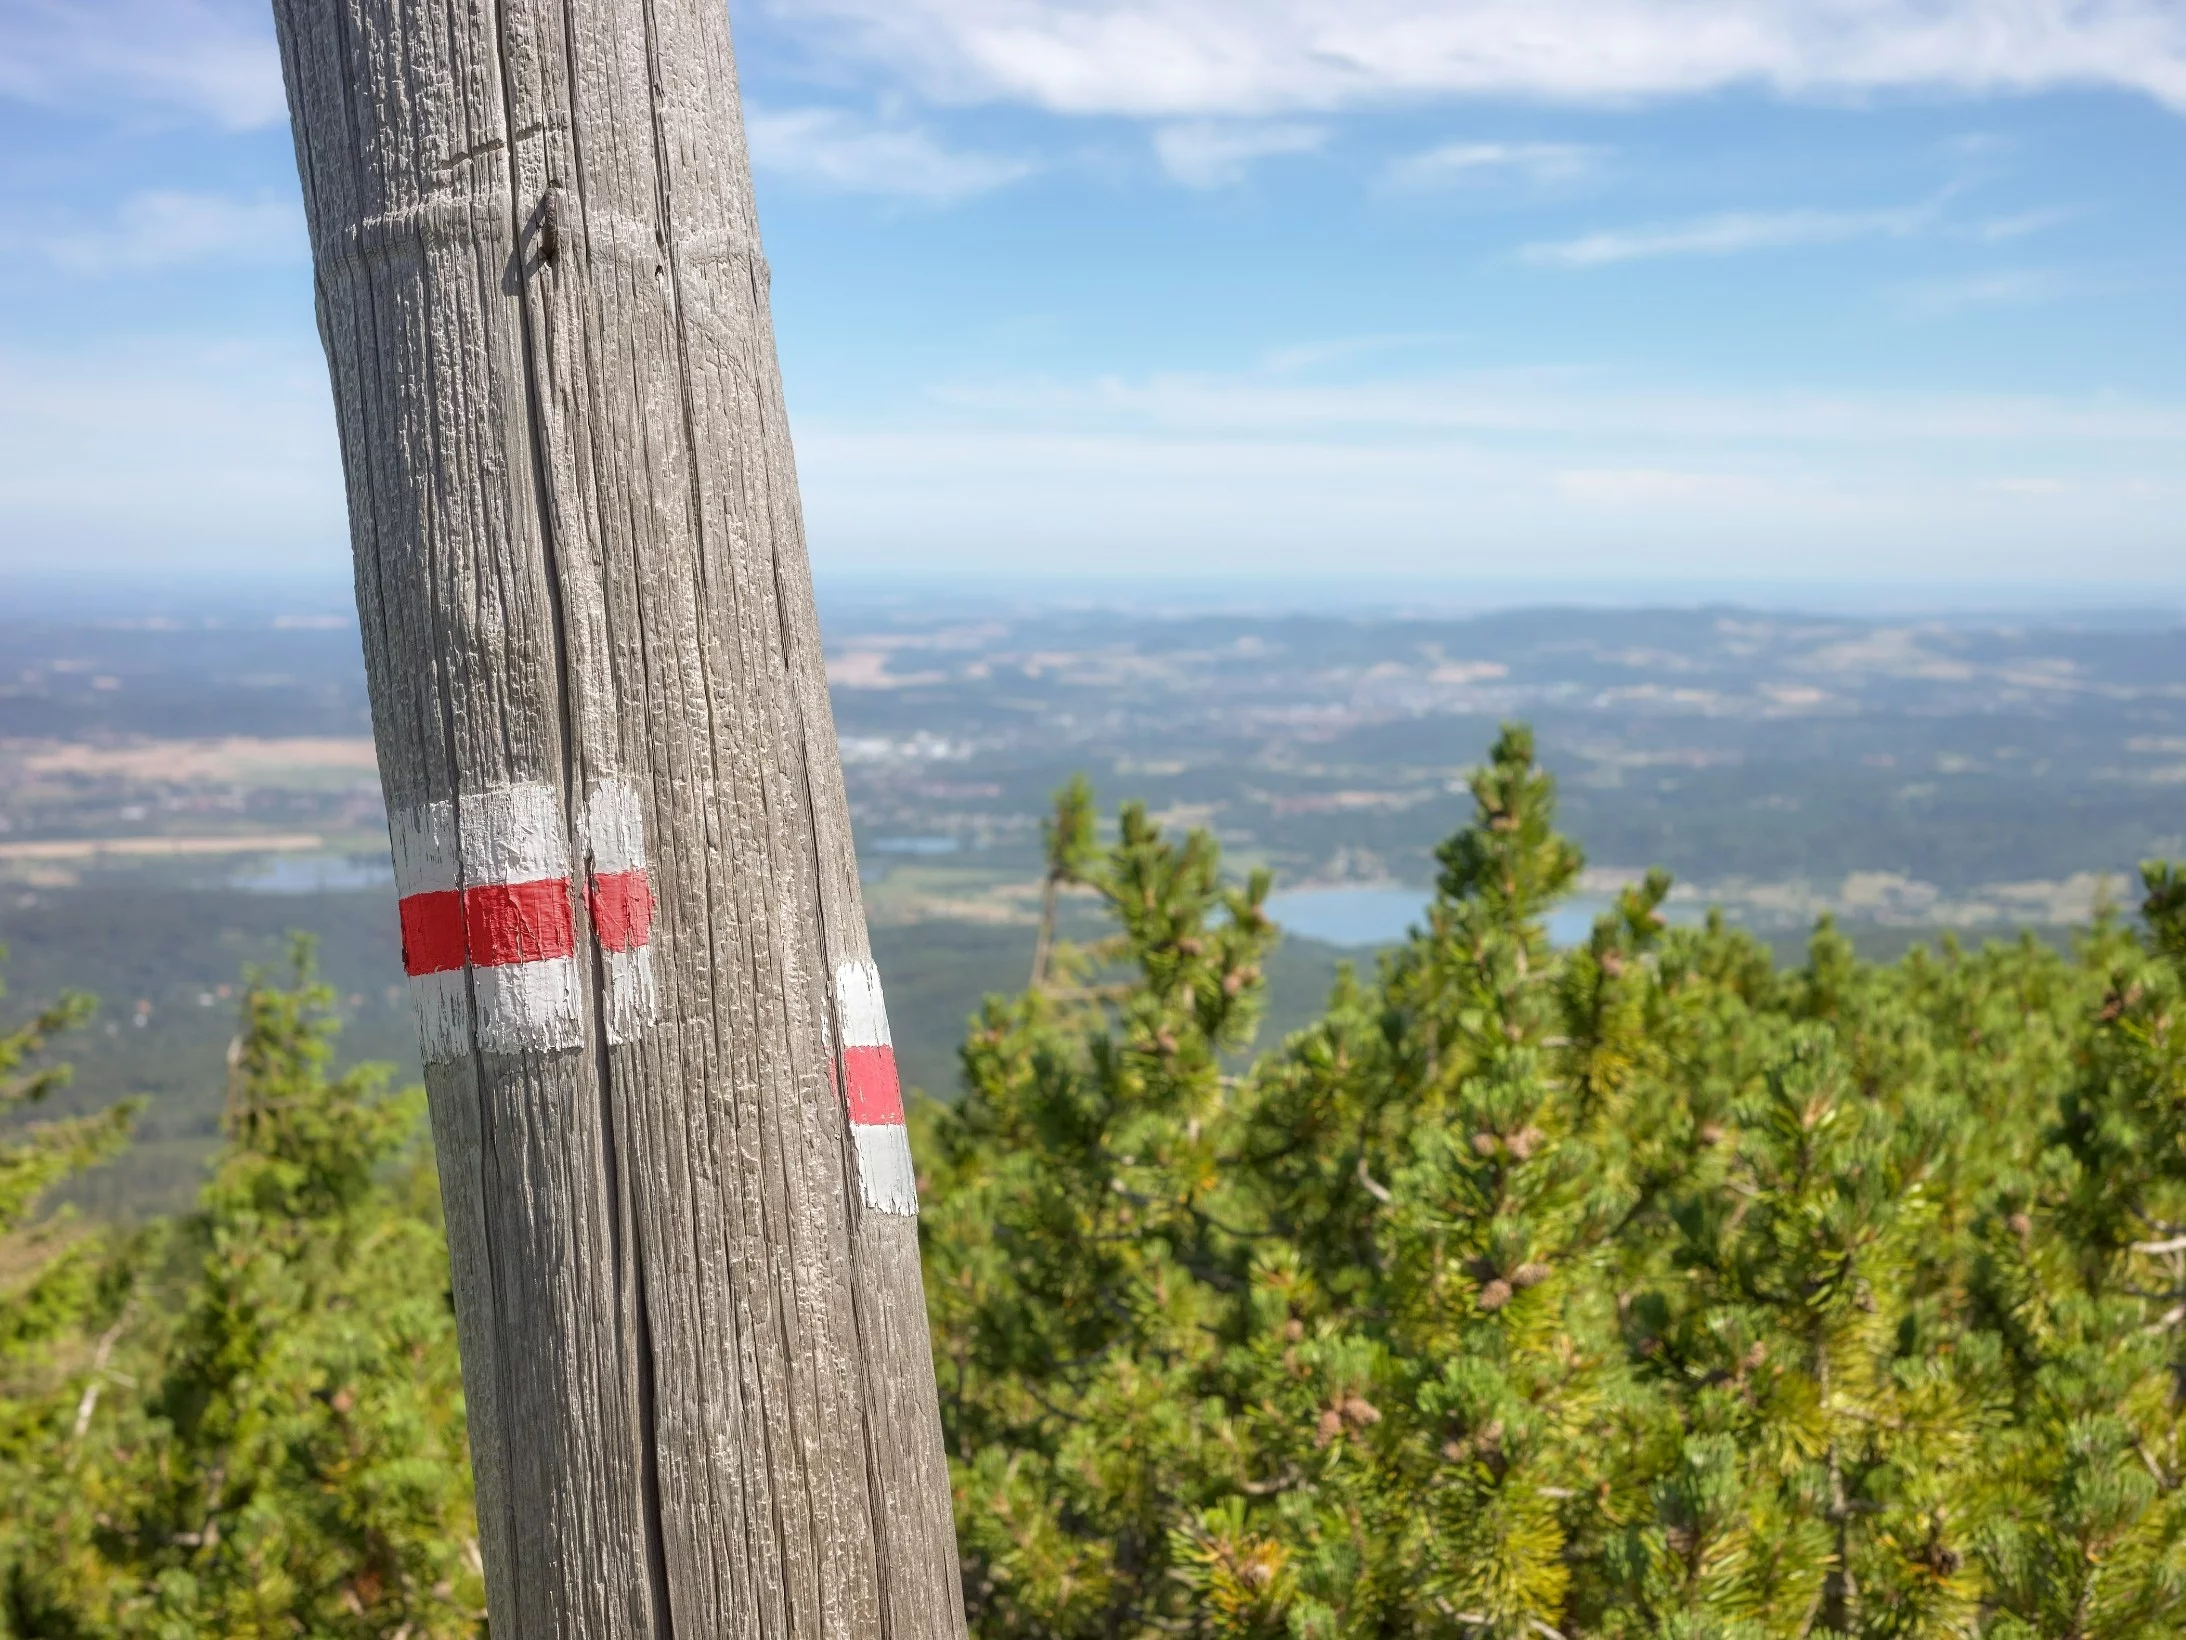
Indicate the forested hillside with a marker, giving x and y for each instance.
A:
(1646, 1288)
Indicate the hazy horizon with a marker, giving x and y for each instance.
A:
(314, 595)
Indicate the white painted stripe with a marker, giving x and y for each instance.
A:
(423, 839)
(526, 1005)
(512, 834)
(529, 1005)
(859, 1007)
(885, 1174)
(614, 827)
(443, 1005)
(631, 1004)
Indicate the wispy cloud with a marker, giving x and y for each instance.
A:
(1562, 402)
(1728, 235)
(164, 229)
(847, 152)
(213, 59)
(1195, 58)
(1999, 229)
(2000, 288)
(1255, 472)
(1218, 154)
(1458, 164)
(1629, 488)
(999, 497)
(1308, 356)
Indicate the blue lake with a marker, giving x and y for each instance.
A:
(1381, 915)
(915, 845)
(315, 874)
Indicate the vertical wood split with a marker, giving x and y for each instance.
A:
(695, 1358)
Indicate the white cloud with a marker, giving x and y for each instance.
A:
(1455, 164)
(1187, 59)
(1195, 58)
(164, 228)
(1217, 154)
(1728, 235)
(846, 152)
(211, 58)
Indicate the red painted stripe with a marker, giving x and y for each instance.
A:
(432, 932)
(519, 922)
(876, 1100)
(622, 909)
(494, 925)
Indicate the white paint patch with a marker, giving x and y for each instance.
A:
(614, 828)
(442, 1002)
(423, 839)
(631, 1003)
(885, 1174)
(512, 834)
(859, 1006)
(529, 1005)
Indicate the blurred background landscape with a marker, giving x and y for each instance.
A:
(186, 777)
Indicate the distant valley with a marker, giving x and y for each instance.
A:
(177, 792)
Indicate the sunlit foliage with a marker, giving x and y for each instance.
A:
(1639, 1289)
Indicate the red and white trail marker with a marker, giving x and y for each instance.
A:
(619, 895)
(870, 1089)
(489, 919)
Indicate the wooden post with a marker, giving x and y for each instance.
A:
(680, 1205)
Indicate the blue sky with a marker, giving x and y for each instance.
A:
(1712, 293)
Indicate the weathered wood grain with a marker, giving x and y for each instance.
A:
(696, 1362)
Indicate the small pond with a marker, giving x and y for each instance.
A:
(314, 874)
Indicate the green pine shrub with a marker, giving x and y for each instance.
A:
(1640, 1289)
(1634, 1290)
(249, 1422)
